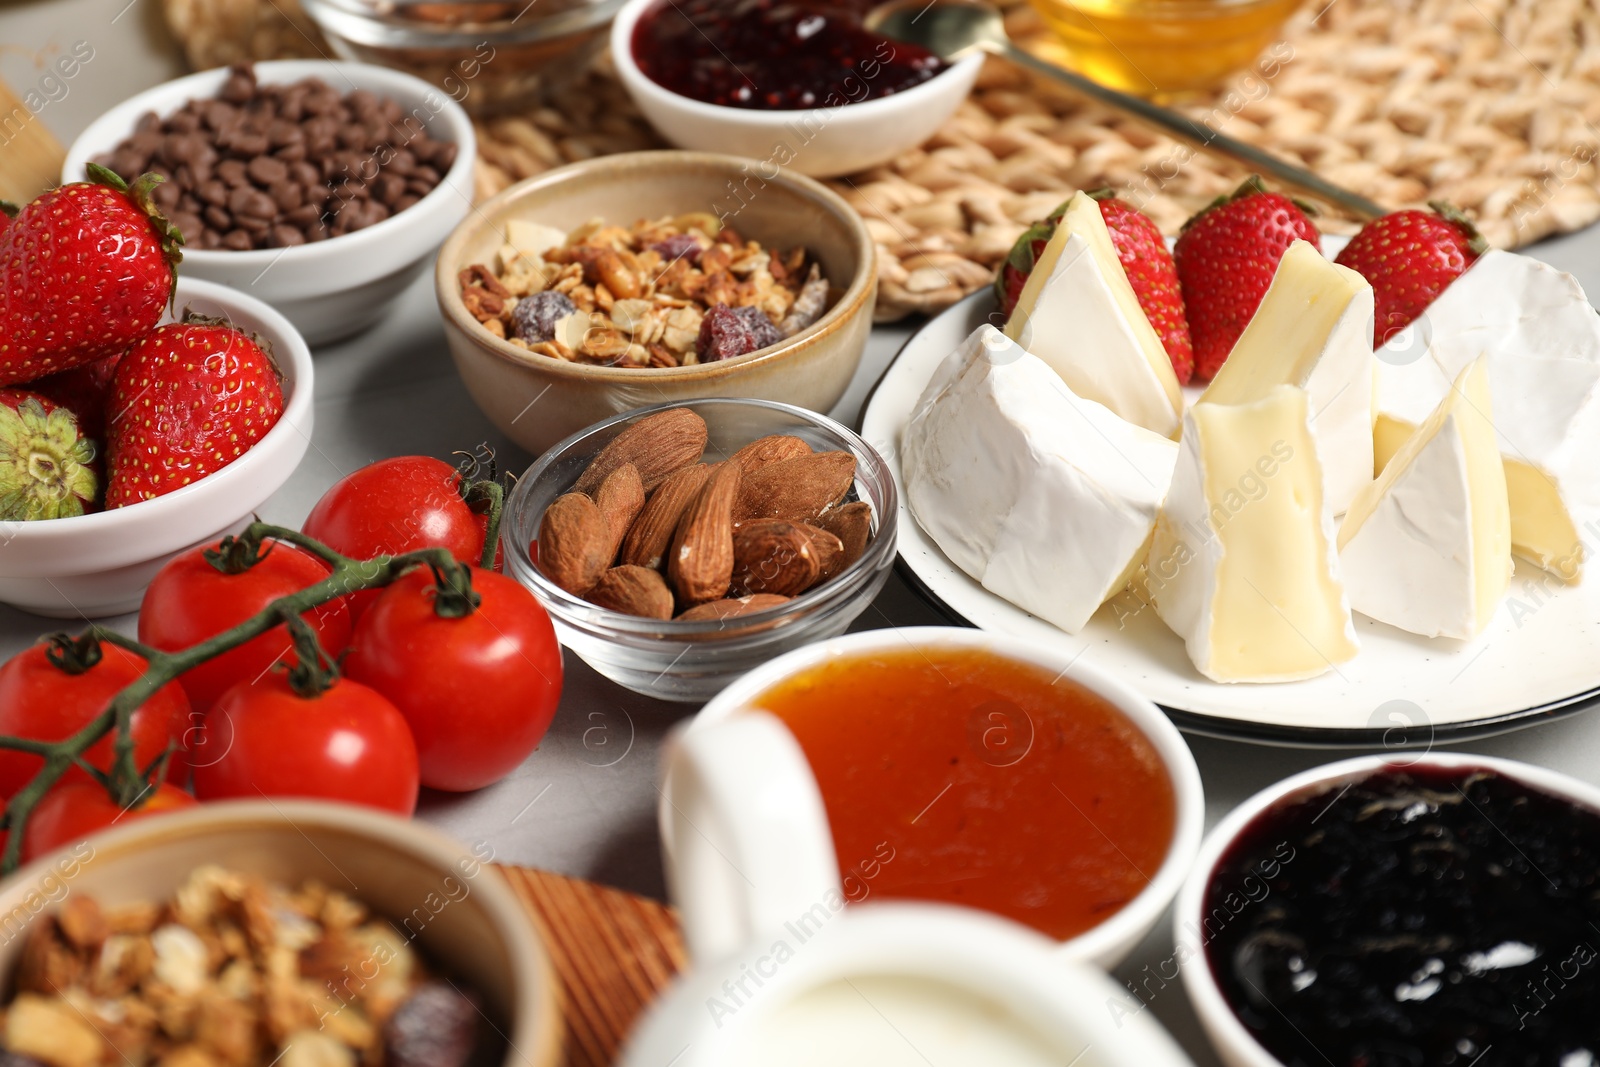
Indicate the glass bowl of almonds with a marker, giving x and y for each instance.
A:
(680, 545)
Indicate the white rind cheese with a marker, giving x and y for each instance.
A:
(1427, 547)
(1242, 565)
(1542, 340)
(1313, 330)
(1043, 497)
(1079, 314)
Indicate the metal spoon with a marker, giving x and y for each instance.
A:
(954, 29)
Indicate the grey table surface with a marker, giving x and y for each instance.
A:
(584, 803)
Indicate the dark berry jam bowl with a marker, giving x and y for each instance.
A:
(823, 141)
(694, 660)
(1236, 875)
(537, 400)
(338, 287)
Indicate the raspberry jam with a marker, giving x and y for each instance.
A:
(1422, 917)
(774, 55)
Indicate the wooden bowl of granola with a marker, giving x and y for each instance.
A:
(651, 277)
(291, 932)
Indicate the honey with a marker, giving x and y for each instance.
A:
(972, 779)
(1162, 48)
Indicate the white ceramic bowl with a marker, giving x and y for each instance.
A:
(931, 960)
(341, 286)
(92, 566)
(1235, 1045)
(823, 142)
(1105, 945)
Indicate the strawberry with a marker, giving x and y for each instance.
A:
(1226, 256)
(46, 465)
(1145, 259)
(189, 399)
(85, 271)
(83, 390)
(1150, 269)
(1410, 257)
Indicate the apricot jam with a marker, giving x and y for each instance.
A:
(996, 784)
(777, 55)
(1425, 916)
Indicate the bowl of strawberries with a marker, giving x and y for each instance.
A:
(140, 413)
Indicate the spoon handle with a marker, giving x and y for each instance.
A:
(1196, 133)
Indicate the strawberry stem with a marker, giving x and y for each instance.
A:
(130, 784)
(1452, 214)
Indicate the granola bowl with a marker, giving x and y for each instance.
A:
(692, 661)
(538, 399)
(440, 899)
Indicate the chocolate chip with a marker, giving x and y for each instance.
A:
(389, 188)
(213, 192)
(285, 237)
(186, 224)
(232, 171)
(237, 241)
(218, 218)
(304, 215)
(266, 171)
(210, 239)
(252, 202)
(239, 87)
(288, 196)
(166, 196)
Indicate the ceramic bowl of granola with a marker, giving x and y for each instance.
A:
(654, 277)
(295, 933)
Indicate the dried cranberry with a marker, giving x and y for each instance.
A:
(723, 335)
(436, 1026)
(761, 327)
(678, 246)
(535, 317)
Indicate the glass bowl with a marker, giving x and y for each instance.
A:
(693, 661)
(487, 56)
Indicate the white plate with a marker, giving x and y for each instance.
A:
(1539, 658)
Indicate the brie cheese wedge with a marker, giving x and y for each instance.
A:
(1313, 330)
(1078, 312)
(1427, 547)
(1542, 340)
(1045, 498)
(1242, 565)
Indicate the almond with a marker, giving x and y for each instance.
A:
(773, 556)
(620, 498)
(651, 534)
(657, 445)
(771, 449)
(700, 563)
(633, 591)
(727, 609)
(796, 489)
(828, 549)
(852, 524)
(573, 543)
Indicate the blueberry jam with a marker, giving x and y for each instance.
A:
(1426, 917)
(776, 55)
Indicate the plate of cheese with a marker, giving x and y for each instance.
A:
(1324, 545)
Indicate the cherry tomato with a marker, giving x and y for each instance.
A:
(71, 811)
(347, 743)
(192, 600)
(47, 703)
(479, 691)
(393, 506)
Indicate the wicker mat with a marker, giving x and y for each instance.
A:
(1491, 104)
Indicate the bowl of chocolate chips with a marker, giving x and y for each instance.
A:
(653, 277)
(322, 188)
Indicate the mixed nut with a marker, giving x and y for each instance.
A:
(664, 293)
(651, 529)
(270, 166)
(231, 972)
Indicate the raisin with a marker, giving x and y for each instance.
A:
(434, 1027)
(535, 317)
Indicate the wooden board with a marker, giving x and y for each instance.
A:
(30, 155)
(613, 953)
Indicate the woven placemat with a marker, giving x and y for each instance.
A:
(1491, 104)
